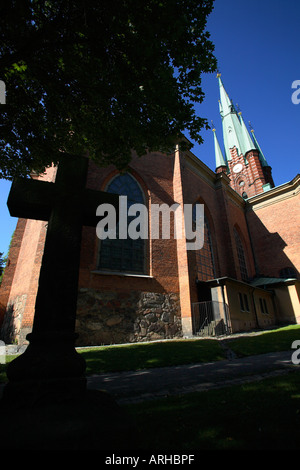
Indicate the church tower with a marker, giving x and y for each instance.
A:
(243, 160)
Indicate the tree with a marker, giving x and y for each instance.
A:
(2, 265)
(102, 77)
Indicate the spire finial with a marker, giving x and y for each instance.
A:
(251, 127)
(213, 126)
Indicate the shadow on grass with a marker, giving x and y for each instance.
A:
(143, 356)
(178, 352)
(261, 415)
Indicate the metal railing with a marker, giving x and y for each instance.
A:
(210, 318)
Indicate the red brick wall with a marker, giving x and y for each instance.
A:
(274, 229)
(11, 267)
(238, 222)
(21, 276)
(154, 172)
(252, 174)
(202, 191)
(182, 254)
(224, 211)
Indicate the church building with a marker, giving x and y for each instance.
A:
(245, 276)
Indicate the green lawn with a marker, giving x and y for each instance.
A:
(261, 415)
(280, 339)
(3, 377)
(143, 356)
(177, 352)
(158, 354)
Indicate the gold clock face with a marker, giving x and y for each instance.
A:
(237, 168)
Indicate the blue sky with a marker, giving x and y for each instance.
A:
(257, 47)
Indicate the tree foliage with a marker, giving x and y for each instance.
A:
(3, 260)
(101, 77)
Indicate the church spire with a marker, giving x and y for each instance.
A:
(232, 129)
(244, 162)
(225, 102)
(261, 155)
(247, 143)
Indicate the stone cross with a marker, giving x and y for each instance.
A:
(67, 206)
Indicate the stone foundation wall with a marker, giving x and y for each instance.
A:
(11, 331)
(114, 318)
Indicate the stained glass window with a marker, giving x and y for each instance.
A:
(124, 255)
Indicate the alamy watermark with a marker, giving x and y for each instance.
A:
(2, 352)
(296, 354)
(2, 92)
(296, 94)
(134, 222)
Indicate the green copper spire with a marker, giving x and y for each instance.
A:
(220, 161)
(235, 133)
(261, 155)
(225, 102)
(247, 143)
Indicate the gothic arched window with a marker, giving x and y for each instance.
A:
(124, 255)
(241, 256)
(205, 264)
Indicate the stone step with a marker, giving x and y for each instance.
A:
(210, 329)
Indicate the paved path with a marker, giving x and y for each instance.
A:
(136, 386)
(147, 384)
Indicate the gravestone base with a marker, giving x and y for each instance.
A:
(63, 415)
(49, 354)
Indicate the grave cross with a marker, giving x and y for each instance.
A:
(67, 205)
